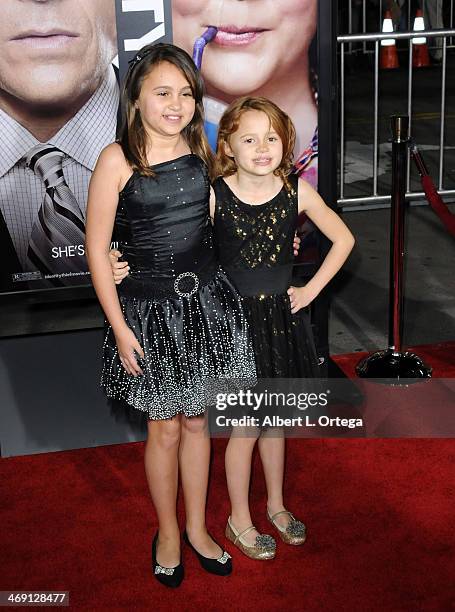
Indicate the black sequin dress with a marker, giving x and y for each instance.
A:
(184, 311)
(255, 244)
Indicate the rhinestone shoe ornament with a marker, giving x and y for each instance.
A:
(295, 531)
(263, 549)
(169, 571)
(265, 542)
(224, 558)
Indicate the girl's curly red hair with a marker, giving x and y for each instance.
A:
(229, 123)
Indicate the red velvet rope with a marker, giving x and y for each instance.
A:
(437, 204)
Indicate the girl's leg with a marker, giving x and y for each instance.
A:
(238, 472)
(194, 457)
(161, 468)
(272, 451)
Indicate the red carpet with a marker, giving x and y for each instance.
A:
(380, 518)
(423, 410)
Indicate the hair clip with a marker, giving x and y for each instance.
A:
(136, 59)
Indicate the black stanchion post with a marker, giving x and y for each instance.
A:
(400, 129)
(392, 364)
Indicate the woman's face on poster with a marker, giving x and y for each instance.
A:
(257, 39)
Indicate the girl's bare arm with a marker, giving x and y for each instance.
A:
(102, 205)
(330, 224)
(212, 204)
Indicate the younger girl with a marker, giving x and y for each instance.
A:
(178, 320)
(257, 206)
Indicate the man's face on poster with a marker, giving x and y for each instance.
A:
(54, 51)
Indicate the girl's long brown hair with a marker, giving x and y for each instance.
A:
(132, 135)
(229, 123)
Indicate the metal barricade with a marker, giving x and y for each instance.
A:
(345, 42)
(365, 8)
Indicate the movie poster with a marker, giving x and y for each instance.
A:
(60, 68)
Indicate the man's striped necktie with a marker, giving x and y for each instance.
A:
(60, 221)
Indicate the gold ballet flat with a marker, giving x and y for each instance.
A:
(263, 549)
(295, 531)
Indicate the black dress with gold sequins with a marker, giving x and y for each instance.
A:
(184, 311)
(255, 248)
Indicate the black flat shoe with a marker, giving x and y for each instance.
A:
(220, 567)
(169, 576)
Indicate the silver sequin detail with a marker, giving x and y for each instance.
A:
(215, 357)
(224, 557)
(265, 542)
(169, 571)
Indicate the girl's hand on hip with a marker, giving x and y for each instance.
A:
(127, 345)
(120, 269)
(297, 242)
(300, 297)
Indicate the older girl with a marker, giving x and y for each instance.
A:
(177, 321)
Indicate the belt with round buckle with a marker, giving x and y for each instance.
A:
(183, 279)
(143, 284)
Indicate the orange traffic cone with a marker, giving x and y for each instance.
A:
(420, 55)
(388, 56)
